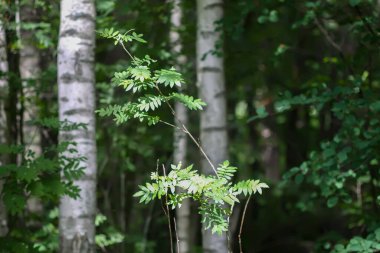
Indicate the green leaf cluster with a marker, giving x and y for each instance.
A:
(216, 194)
(40, 176)
(147, 87)
(119, 37)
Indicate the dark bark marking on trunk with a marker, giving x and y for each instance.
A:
(211, 69)
(205, 34)
(215, 128)
(213, 5)
(68, 78)
(220, 94)
(74, 33)
(77, 65)
(83, 111)
(81, 15)
(85, 178)
(76, 136)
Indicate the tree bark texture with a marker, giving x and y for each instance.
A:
(3, 119)
(180, 138)
(211, 84)
(29, 67)
(76, 94)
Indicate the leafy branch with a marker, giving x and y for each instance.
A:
(216, 194)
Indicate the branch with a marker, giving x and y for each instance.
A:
(168, 215)
(333, 44)
(327, 36)
(186, 131)
(126, 50)
(176, 234)
(242, 222)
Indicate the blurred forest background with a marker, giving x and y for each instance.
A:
(302, 83)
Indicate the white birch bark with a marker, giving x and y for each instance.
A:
(3, 119)
(29, 67)
(180, 138)
(211, 83)
(76, 94)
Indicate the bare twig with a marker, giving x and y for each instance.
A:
(333, 44)
(228, 236)
(327, 35)
(168, 215)
(242, 223)
(200, 148)
(176, 234)
(126, 50)
(228, 231)
(186, 131)
(169, 124)
(149, 218)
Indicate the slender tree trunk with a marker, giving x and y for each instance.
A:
(76, 94)
(270, 150)
(210, 75)
(180, 139)
(29, 67)
(3, 120)
(123, 210)
(270, 154)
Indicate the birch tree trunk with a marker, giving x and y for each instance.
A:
(76, 94)
(29, 67)
(3, 119)
(180, 139)
(210, 80)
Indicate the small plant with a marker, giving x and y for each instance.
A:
(212, 192)
(216, 194)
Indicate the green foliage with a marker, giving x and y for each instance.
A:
(360, 244)
(40, 176)
(348, 160)
(140, 78)
(47, 177)
(189, 101)
(216, 194)
(108, 236)
(46, 239)
(169, 77)
(120, 38)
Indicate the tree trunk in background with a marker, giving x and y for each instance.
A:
(210, 80)
(29, 67)
(270, 154)
(180, 139)
(270, 150)
(3, 119)
(76, 94)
